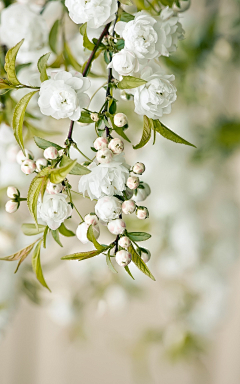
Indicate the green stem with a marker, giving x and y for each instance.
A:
(76, 147)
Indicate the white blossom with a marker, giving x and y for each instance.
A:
(123, 258)
(64, 95)
(82, 229)
(54, 209)
(108, 208)
(125, 63)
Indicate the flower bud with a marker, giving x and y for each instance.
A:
(50, 153)
(11, 206)
(82, 229)
(139, 168)
(142, 193)
(133, 182)
(117, 226)
(128, 207)
(41, 163)
(108, 208)
(100, 143)
(94, 116)
(145, 255)
(53, 189)
(28, 166)
(21, 157)
(123, 258)
(120, 119)
(124, 242)
(13, 192)
(60, 152)
(91, 219)
(104, 156)
(142, 213)
(116, 145)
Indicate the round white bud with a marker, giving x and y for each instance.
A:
(124, 242)
(142, 193)
(100, 143)
(94, 116)
(28, 167)
(12, 192)
(60, 152)
(123, 258)
(117, 226)
(104, 156)
(133, 182)
(146, 256)
(91, 219)
(120, 119)
(21, 157)
(11, 206)
(108, 208)
(142, 213)
(139, 168)
(128, 207)
(82, 229)
(53, 189)
(50, 153)
(116, 145)
(41, 163)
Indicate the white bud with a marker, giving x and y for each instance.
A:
(124, 242)
(104, 156)
(11, 191)
(50, 153)
(108, 208)
(82, 229)
(28, 167)
(146, 256)
(133, 182)
(117, 226)
(21, 157)
(60, 152)
(94, 116)
(91, 219)
(142, 193)
(139, 168)
(123, 258)
(128, 207)
(142, 213)
(100, 143)
(54, 189)
(41, 163)
(11, 206)
(120, 119)
(116, 145)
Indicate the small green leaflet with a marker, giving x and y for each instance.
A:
(129, 82)
(126, 17)
(18, 117)
(86, 42)
(109, 263)
(147, 130)
(90, 236)
(4, 84)
(81, 255)
(65, 231)
(42, 66)
(168, 134)
(53, 36)
(20, 255)
(85, 118)
(45, 237)
(140, 263)
(57, 175)
(43, 144)
(128, 271)
(138, 236)
(77, 169)
(31, 230)
(10, 60)
(55, 235)
(36, 265)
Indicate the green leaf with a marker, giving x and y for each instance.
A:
(109, 263)
(36, 265)
(55, 235)
(90, 236)
(37, 131)
(65, 231)
(31, 230)
(147, 130)
(45, 237)
(10, 61)
(81, 255)
(112, 106)
(42, 66)
(86, 42)
(85, 118)
(129, 82)
(138, 236)
(53, 36)
(126, 17)
(119, 130)
(128, 271)
(168, 134)
(20, 255)
(70, 58)
(77, 169)
(5, 84)
(43, 144)
(57, 175)
(140, 263)
(18, 117)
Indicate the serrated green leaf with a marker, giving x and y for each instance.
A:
(45, 237)
(77, 169)
(31, 230)
(53, 36)
(81, 255)
(128, 271)
(126, 17)
(140, 263)
(147, 130)
(36, 265)
(70, 58)
(109, 263)
(10, 61)
(20, 255)
(138, 236)
(43, 144)
(57, 175)
(42, 66)
(55, 235)
(86, 42)
(129, 82)
(90, 236)
(168, 134)
(18, 117)
(65, 231)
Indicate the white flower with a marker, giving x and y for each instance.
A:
(124, 242)
(50, 153)
(11, 206)
(41, 163)
(155, 98)
(128, 206)
(133, 182)
(28, 167)
(142, 193)
(116, 145)
(108, 208)
(120, 119)
(104, 156)
(100, 143)
(54, 209)
(123, 258)
(91, 219)
(138, 168)
(117, 226)
(105, 179)
(12, 191)
(82, 229)
(95, 12)
(145, 255)
(125, 63)
(142, 213)
(53, 189)
(21, 157)
(64, 95)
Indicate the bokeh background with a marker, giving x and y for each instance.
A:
(105, 328)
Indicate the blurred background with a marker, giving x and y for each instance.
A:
(96, 326)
